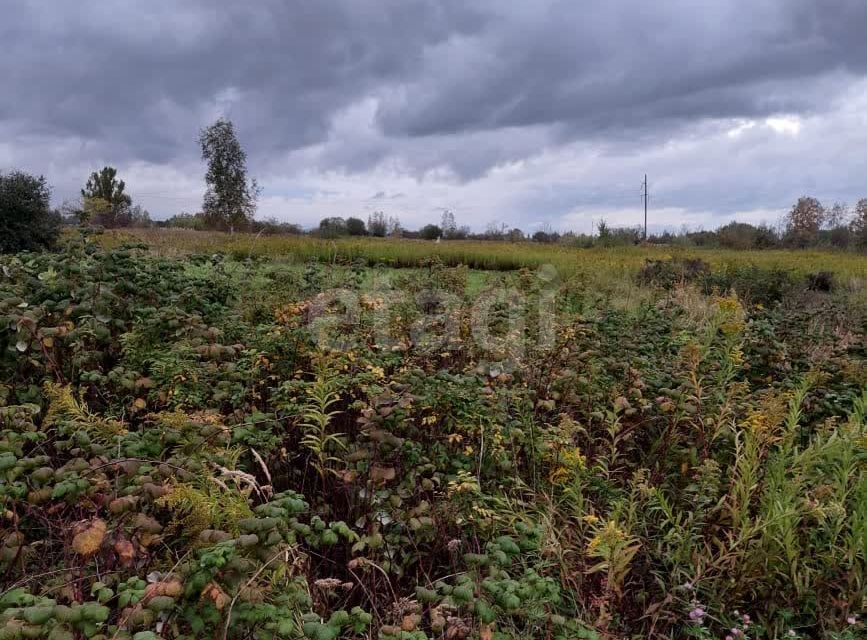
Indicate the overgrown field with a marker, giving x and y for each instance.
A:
(503, 256)
(221, 440)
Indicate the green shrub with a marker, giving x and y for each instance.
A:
(26, 220)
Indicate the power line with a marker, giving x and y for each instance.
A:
(644, 196)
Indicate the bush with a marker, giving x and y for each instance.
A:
(194, 221)
(355, 227)
(332, 228)
(753, 285)
(546, 237)
(26, 220)
(740, 235)
(618, 236)
(430, 232)
(668, 273)
(274, 227)
(820, 281)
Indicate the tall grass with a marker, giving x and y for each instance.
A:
(499, 256)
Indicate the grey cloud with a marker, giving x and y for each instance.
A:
(632, 65)
(146, 76)
(449, 88)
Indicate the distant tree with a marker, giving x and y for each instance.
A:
(394, 226)
(577, 240)
(332, 227)
(740, 235)
(701, 238)
(603, 230)
(837, 216)
(839, 237)
(495, 230)
(377, 225)
(546, 234)
(735, 235)
(96, 211)
(664, 238)
(515, 235)
(448, 225)
(273, 227)
(104, 199)
(230, 197)
(27, 222)
(186, 220)
(355, 227)
(430, 232)
(836, 230)
(70, 212)
(858, 225)
(617, 236)
(804, 221)
(139, 217)
(546, 237)
(766, 237)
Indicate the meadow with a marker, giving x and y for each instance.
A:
(483, 255)
(215, 436)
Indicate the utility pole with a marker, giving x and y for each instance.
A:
(644, 195)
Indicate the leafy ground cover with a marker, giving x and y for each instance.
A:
(235, 446)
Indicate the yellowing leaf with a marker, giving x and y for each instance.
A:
(88, 541)
(125, 551)
(410, 622)
(171, 587)
(213, 591)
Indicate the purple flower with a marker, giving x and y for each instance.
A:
(852, 619)
(697, 614)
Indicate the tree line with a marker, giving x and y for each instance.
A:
(28, 222)
(807, 225)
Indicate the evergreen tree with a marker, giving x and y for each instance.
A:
(105, 201)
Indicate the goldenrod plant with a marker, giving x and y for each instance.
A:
(207, 436)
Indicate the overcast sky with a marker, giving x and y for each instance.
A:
(526, 112)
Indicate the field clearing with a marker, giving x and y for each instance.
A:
(501, 256)
(312, 446)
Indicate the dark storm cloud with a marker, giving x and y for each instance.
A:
(443, 88)
(140, 75)
(631, 65)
